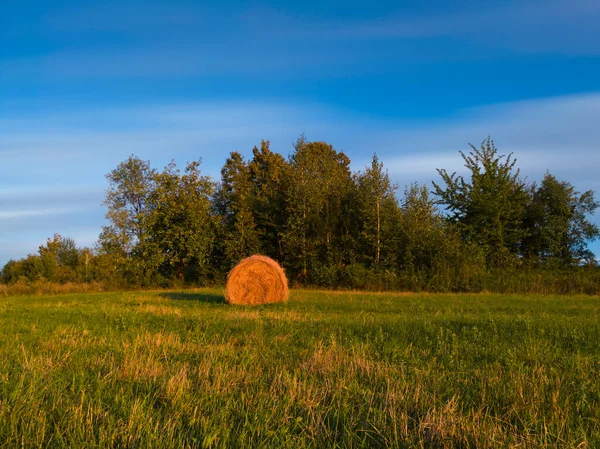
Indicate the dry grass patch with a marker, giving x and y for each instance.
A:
(49, 288)
(159, 309)
(178, 384)
(145, 357)
(287, 315)
(138, 366)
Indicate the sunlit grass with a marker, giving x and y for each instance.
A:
(181, 369)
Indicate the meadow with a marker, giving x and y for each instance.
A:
(327, 369)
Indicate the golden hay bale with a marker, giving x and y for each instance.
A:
(256, 280)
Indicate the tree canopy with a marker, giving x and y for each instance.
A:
(327, 225)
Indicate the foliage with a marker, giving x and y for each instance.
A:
(180, 224)
(130, 185)
(378, 214)
(558, 226)
(319, 183)
(59, 261)
(490, 206)
(268, 176)
(332, 228)
(234, 203)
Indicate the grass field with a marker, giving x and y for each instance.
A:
(168, 369)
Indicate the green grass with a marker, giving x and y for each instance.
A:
(166, 369)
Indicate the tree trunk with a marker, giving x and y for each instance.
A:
(378, 254)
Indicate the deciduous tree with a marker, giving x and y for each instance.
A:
(489, 206)
(378, 213)
(180, 224)
(233, 202)
(268, 175)
(558, 225)
(318, 188)
(129, 186)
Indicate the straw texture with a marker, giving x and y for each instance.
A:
(256, 280)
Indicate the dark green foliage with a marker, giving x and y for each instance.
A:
(180, 224)
(489, 206)
(269, 175)
(319, 185)
(234, 206)
(11, 271)
(431, 251)
(332, 228)
(422, 231)
(377, 214)
(557, 224)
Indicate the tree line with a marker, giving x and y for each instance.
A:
(331, 227)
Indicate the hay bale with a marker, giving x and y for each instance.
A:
(256, 280)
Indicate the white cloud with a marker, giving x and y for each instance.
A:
(558, 26)
(25, 192)
(13, 214)
(176, 41)
(56, 165)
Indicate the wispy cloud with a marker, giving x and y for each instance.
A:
(17, 246)
(560, 26)
(12, 214)
(177, 60)
(185, 131)
(57, 164)
(182, 41)
(547, 133)
(124, 17)
(558, 134)
(31, 213)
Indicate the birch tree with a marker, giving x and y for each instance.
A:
(378, 209)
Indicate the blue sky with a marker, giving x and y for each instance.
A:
(85, 84)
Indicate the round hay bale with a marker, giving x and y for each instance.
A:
(256, 280)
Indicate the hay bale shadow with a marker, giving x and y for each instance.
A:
(210, 298)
